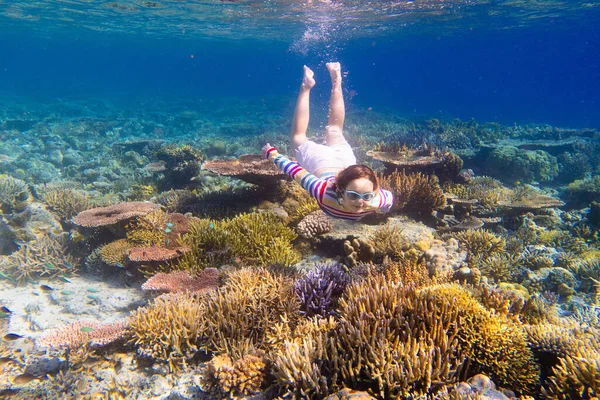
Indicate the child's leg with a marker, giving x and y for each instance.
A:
(337, 110)
(302, 111)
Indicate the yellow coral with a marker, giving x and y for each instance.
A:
(414, 193)
(480, 244)
(169, 329)
(67, 203)
(115, 253)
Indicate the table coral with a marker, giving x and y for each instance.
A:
(106, 216)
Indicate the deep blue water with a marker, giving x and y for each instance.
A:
(547, 73)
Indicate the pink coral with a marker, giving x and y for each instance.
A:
(180, 281)
(83, 332)
(155, 253)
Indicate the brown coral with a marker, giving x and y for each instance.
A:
(206, 281)
(314, 224)
(414, 193)
(249, 168)
(67, 202)
(105, 216)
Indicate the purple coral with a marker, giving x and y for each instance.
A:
(320, 289)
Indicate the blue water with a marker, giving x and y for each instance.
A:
(546, 71)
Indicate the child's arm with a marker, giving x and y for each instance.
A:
(316, 187)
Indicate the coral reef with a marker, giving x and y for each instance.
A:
(515, 164)
(358, 251)
(426, 160)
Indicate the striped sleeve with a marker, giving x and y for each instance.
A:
(316, 187)
(386, 201)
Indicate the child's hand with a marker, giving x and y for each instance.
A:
(266, 148)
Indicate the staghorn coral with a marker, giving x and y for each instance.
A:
(246, 310)
(499, 268)
(313, 224)
(106, 216)
(575, 377)
(320, 289)
(491, 342)
(46, 257)
(169, 329)
(14, 195)
(300, 205)
(67, 203)
(411, 271)
(206, 281)
(82, 333)
(414, 193)
(480, 245)
(227, 378)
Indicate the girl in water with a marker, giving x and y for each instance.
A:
(329, 172)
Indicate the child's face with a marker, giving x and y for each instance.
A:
(358, 194)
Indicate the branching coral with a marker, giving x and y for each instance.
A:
(168, 330)
(247, 308)
(115, 253)
(480, 245)
(414, 193)
(14, 195)
(491, 342)
(388, 240)
(320, 289)
(182, 163)
(67, 203)
(257, 238)
(45, 257)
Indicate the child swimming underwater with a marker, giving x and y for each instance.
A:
(329, 172)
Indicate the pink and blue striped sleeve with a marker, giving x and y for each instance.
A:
(315, 186)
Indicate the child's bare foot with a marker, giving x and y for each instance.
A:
(334, 69)
(308, 81)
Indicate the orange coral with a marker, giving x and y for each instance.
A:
(155, 253)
